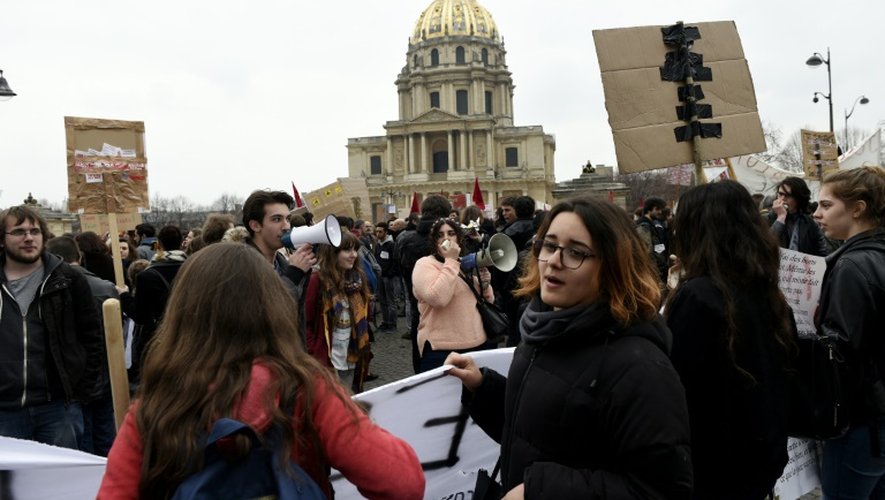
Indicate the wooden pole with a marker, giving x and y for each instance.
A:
(113, 339)
(115, 249)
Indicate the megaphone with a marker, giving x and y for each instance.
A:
(328, 231)
(500, 253)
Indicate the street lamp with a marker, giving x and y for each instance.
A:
(863, 100)
(815, 60)
(6, 93)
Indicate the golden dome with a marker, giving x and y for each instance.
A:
(454, 18)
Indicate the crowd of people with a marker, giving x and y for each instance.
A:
(654, 357)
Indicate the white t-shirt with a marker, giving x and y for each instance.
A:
(341, 339)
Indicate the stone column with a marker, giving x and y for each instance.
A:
(470, 151)
(388, 158)
(463, 155)
(410, 148)
(490, 150)
(451, 159)
(424, 152)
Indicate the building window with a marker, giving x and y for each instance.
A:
(488, 102)
(511, 157)
(485, 56)
(375, 165)
(415, 61)
(461, 102)
(434, 99)
(434, 57)
(459, 55)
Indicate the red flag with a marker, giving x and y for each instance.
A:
(298, 201)
(611, 196)
(477, 195)
(415, 208)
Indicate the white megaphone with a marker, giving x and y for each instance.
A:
(500, 253)
(328, 231)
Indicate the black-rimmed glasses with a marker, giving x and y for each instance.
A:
(571, 258)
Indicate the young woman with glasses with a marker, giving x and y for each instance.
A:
(591, 407)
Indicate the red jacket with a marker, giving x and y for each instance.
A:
(379, 464)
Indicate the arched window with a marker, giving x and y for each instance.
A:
(459, 55)
(485, 56)
(434, 57)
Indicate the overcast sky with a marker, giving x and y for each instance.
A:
(243, 95)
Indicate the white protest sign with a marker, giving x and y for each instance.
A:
(35, 470)
(425, 410)
(800, 475)
(800, 279)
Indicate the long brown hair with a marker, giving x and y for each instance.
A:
(719, 233)
(227, 309)
(627, 280)
(331, 275)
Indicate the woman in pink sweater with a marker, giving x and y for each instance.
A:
(228, 347)
(449, 318)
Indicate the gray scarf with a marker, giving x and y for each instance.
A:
(540, 323)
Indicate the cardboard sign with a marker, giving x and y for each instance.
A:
(642, 107)
(345, 196)
(800, 279)
(107, 167)
(820, 154)
(98, 223)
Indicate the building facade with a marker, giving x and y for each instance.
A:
(455, 120)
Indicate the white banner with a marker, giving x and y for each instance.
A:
(800, 279)
(425, 410)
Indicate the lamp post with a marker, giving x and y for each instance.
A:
(6, 93)
(815, 60)
(863, 100)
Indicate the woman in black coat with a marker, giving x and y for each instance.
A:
(592, 407)
(852, 309)
(731, 331)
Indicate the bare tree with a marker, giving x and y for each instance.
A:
(228, 203)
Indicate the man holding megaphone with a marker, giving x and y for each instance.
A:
(265, 215)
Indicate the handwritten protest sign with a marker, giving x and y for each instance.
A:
(800, 281)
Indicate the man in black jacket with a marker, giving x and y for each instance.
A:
(153, 287)
(389, 276)
(651, 230)
(99, 426)
(790, 221)
(50, 337)
(411, 246)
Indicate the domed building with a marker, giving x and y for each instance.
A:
(455, 120)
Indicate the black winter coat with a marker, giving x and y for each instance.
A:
(595, 412)
(738, 424)
(73, 347)
(852, 308)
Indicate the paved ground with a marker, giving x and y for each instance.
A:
(393, 356)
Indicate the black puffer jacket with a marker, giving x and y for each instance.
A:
(852, 307)
(67, 361)
(595, 412)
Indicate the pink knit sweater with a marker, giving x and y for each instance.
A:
(449, 319)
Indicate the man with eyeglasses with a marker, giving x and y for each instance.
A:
(51, 345)
(790, 221)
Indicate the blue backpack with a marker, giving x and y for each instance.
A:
(257, 475)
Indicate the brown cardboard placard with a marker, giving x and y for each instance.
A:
(827, 157)
(98, 223)
(642, 107)
(106, 183)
